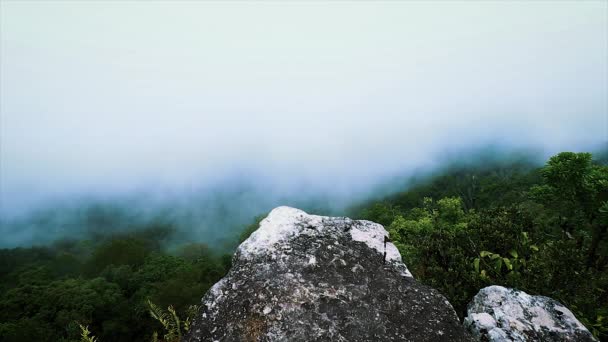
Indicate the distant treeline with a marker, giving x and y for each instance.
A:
(542, 230)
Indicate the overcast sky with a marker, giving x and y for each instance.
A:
(112, 96)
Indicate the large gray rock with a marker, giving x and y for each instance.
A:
(500, 314)
(302, 277)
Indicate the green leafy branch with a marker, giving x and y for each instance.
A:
(513, 264)
(171, 322)
(85, 334)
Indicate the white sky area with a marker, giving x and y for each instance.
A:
(112, 96)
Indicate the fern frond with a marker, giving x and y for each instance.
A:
(158, 314)
(175, 324)
(187, 324)
(85, 334)
(191, 313)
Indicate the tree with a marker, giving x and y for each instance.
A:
(576, 189)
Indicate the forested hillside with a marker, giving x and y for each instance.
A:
(47, 292)
(541, 230)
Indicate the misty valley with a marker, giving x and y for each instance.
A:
(299, 171)
(547, 224)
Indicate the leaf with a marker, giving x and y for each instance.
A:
(476, 265)
(485, 253)
(534, 248)
(498, 264)
(508, 263)
(513, 253)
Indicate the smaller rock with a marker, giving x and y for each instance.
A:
(500, 314)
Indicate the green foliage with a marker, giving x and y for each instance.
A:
(47, 292)
(503, 269)
(542, 231)
(85, 335)
(171, 322)
(128, 251)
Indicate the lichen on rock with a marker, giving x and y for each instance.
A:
(303, 277)
(500, 314)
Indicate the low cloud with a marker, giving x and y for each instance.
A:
(213, 113)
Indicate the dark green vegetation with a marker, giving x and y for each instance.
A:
(46, 292)
(541, 230)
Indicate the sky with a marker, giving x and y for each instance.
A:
(106, 97)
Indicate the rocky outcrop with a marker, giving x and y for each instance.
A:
(303, 277)
(500, 314)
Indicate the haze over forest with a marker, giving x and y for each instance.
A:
(208, 114)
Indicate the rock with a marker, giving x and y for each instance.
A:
(303, 277)
(500, 314)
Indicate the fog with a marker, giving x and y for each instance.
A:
(207, 114)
